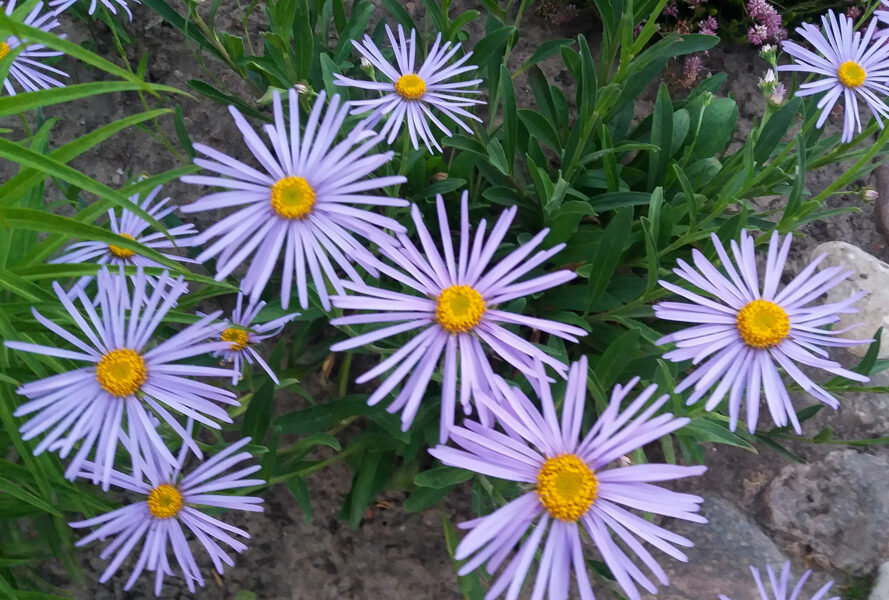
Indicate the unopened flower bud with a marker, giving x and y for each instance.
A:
(439, 176)
(301, 88)
(870, 194)
(366, 65)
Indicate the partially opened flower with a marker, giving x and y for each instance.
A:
(168, 510)
(575, 484)
(850, 66)
(131, 227)
(26, 68)
(111, 5)
(302, 206)
(129, 383)
(744, 331)
(242, 334)
(780, 586)
(453, 310)
(410, 93)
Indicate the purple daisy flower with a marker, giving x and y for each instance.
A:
(574, 484)
(131, 227)
(851, 66)
(241, 334)
(302, 206)
(455, 311)
(111, 5)
(126, 379)
(779, 586)
(30, 74)
(410, 92)
(746, 332)
(170, 508)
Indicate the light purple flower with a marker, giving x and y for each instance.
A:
(851, 66)
(111, 5)
(410, 92)
(31, 74)
(132, 227)
(577, 484)
(779, 586)
(126, 380)
(242, 334)
(455, 313)
(169, 510)
(302, 206)
(744, 332)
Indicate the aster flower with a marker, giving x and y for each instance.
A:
(111, 5)
(132, 227)
(126, 379)
(744, 332)
(169, 509)
(574, 484)
(779, 586)
(852, 66)
(302, 206)
(31, 74)
(410, 92)
(241, 334)
(454, 314)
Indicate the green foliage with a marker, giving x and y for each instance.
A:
(627, 194)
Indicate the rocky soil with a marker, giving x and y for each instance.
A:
(830, 514)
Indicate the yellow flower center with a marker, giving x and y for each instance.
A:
(237, 337)
(851, 74)
(459, 308)
(293, 197)
(762, 324)
(121, 372)
(566, 487)
(410, 87)
(119, 252)
(164, 501)
(4, 50)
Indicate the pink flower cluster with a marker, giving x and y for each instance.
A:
(766, 23)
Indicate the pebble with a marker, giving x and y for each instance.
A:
(871, 276)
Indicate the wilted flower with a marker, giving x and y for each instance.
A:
(577, 487)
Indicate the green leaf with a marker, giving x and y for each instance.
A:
(14, 105)
(323, 416)
(540, 128)
(662, 137)
(488, 45)
(510, 120)
(775, 129)
(608, 253)
(400, 14)
(704, 429)
(259, 412)
(616, 357)
(544, 51)
(717, 127)
(362, 490)
(300, 491)
(424, 497)
(8, 487)
(440, 477)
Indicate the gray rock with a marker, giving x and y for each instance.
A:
(880, 590)
(837, 507)
(724, 551)
(871, 276)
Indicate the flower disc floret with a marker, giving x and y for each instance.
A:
(459, 308)
(851, 74)
(763, 324)
(121, 372)
(237, 337)
(120, 252)
(4, 50)
(293, 198)
(410, 86)
(164, 501)
(567, 487)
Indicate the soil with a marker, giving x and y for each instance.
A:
(393, 554)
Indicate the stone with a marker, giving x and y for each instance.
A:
(880, 591)
(837, 507)
(720, 562)
(871, 276)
